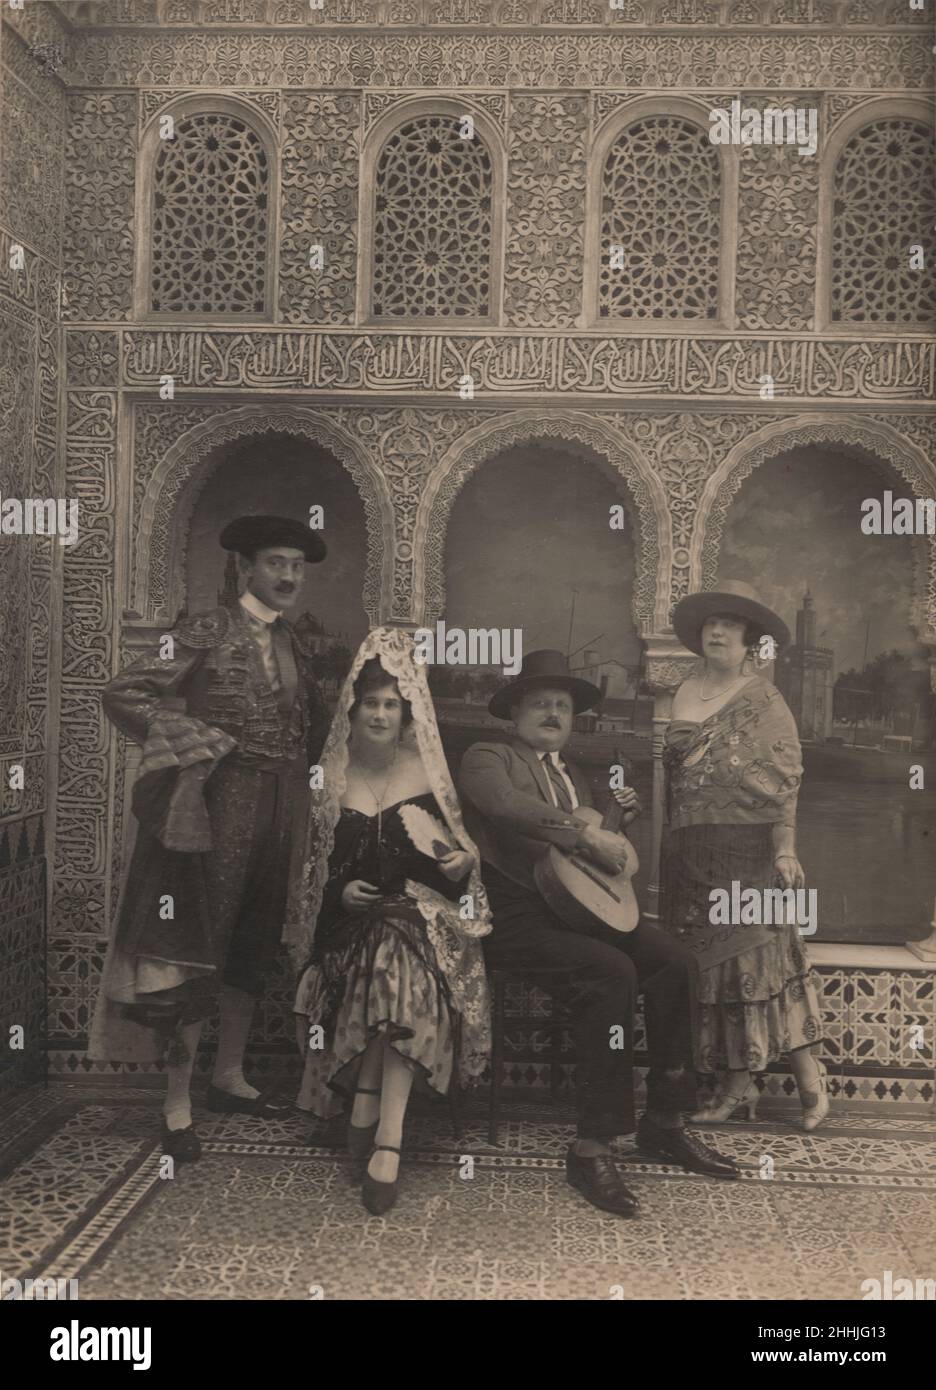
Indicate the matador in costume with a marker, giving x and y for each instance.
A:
(230, 718)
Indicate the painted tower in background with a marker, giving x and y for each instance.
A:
(804, 676)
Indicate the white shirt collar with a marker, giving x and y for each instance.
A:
(553, 758)
(258, 609)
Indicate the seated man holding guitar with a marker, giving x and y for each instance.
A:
(558, 881)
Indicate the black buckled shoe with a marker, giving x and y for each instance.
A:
(267, 1106)
(600, 1183)
(378, 1197)
(679, 1146)
(181, 1144)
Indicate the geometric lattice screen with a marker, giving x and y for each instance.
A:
(660, 211)
(884, 202)
(210, 218)
(433, 223)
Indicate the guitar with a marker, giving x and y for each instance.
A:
(580, 892)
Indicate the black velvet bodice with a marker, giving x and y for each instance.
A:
(386, 863)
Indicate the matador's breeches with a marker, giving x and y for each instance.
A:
(252, 810)
(228, 903)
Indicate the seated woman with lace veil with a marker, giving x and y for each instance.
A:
(733, 763)
(388, 933)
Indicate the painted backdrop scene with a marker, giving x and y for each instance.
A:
(857, 679)
(530, 548)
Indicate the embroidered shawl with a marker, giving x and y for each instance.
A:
(741, 766)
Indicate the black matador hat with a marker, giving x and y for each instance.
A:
(248, 534)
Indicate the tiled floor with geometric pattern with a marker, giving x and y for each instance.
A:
(269, 1212)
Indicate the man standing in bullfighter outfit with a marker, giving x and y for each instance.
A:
(230, 718)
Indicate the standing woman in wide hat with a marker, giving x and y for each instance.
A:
(733, 763)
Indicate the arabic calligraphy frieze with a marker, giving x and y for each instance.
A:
(539, 364)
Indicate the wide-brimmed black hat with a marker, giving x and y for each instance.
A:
(248, 534)
(729, 596)
(544, 668)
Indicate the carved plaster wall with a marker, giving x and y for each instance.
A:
(677, 411)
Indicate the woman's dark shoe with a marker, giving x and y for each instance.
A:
(379, 1197)
(678, 1146)
(266, 1106)
(600, 1183)
(361, 1141)
(181, 1144)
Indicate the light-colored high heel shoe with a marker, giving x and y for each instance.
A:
(728, 1103)
(816, 1103)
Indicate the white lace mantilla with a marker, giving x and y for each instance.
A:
(454, 937)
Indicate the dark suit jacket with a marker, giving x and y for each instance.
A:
(508, 809)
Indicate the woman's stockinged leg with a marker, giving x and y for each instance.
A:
(812, 1082)
(804, 1067)
(394, 1096)
(367, 1107)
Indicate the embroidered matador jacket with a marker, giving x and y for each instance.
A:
(221, 804)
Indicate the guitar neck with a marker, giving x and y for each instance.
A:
(611, 820)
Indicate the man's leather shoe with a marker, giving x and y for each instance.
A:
(268, 1107)
(599, 1182)
(181, 1144)
(679, 1146)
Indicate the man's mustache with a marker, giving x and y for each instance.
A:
(550, 724)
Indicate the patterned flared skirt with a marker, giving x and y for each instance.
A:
(379, 975)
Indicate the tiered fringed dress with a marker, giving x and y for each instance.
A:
(377, 971)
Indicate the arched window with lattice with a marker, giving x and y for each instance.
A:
(884, 206)
(433, 222)
(210, 218)
(660, 223)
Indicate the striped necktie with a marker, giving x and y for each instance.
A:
(276, 656)
(262, 633)
(563, 798)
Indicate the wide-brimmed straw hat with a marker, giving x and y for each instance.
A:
(731, 596)
(544, 668)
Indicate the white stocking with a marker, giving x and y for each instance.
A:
(178, 1105)
(237, 1011)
